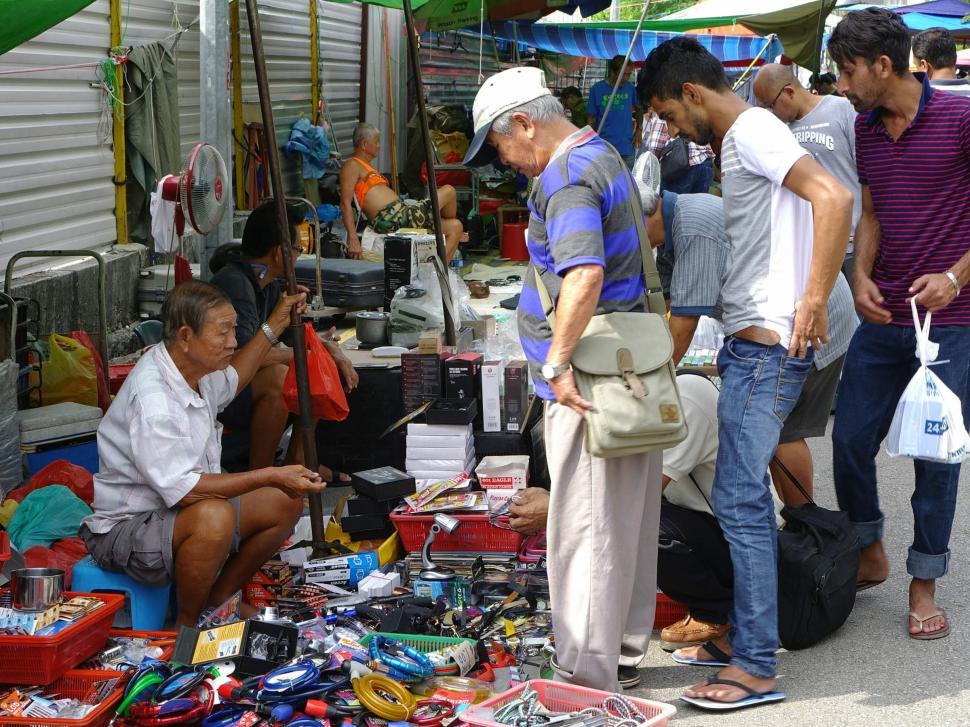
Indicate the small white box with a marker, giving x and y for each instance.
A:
(454, 465)
(462, 453)
(504, 472)
(378, 585)
(440, 430)
(457, 441)
(491, 397)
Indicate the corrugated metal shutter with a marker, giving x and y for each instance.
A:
(340, 36)
(56, 161)
(150, 21)
(286, 44)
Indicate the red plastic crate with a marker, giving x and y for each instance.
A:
(4, 546)
(563, 697)
(668, 612)
(117, 373)
(78, 684)
(476, 534)
(42, 659)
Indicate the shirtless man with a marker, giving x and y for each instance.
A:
(385, 211)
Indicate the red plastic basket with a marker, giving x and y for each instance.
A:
(562, 697)
(78, 684)
(475, 534)
(42, 659)
(668, 612)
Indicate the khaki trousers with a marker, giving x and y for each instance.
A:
(604, 517)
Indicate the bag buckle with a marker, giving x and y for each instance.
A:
(624, 362)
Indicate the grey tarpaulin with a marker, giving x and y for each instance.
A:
(151, 129)
(11, 466)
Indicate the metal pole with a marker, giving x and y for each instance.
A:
(626, 59)
(296, 327)
(450, 323)
(238, 128)
(216, 116)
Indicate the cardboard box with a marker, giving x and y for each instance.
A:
(382, 484)
(255, 646)
(341, 569)
(400, 265)
(429, 341)
(421, 377)
(464, 453)
(457, 441)
(439, 430)
(462, 376)
(516, 394)
(481, 329)
(363, 505)
(504, 472)
(423, 465)
(491, 398)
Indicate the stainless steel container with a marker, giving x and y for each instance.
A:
(36, 589)
(372, 328)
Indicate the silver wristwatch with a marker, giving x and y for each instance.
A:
(551, 371)
(273, 340)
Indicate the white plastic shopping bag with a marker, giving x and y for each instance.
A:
(928, 423)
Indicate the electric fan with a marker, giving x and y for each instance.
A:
(200, 192)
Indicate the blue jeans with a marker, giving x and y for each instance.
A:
(697, 180)
(879, 364)
(759, 387)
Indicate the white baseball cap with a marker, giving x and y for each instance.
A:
(500, 93)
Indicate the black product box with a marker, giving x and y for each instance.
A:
(421, 377)
(383, 484)
(492, 444)
(354, 524)
(461, 376)
(255, 646)
(361, 505)
(452, 411)
(516, 394)
(382, 534)
(398, 259)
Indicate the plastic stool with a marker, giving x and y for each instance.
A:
(149, 604)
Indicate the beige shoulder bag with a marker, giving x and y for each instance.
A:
(622, 365)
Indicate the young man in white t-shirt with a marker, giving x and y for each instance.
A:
(788, 221)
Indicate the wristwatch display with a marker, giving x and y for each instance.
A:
(551, 371)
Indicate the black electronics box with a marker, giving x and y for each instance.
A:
(255, 646)
(452, 411)
(361, 505)
(463, 379)
(383, 484)
(421, 377)
(353, 524)
(516, 395)
(398, 257)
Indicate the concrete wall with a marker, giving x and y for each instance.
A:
(68, 296)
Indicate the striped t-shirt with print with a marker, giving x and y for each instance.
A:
(581, 214)
(919, 185)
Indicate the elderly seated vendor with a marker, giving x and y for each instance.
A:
(163, 512)
(385, 211)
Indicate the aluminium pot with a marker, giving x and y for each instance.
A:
(36, 589)
(372, 328)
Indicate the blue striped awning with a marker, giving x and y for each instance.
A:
(604, 43)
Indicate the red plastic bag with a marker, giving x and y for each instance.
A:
(63, 554)
(59, 472)
(104, 395)
(328, 400)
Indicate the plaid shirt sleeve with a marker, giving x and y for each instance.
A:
(655, 136)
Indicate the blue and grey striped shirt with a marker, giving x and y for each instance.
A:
(581, 214)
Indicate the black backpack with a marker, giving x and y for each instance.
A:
(818, 563)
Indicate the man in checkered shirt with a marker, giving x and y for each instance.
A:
(656, 135)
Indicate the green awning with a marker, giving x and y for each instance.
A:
(26, 19)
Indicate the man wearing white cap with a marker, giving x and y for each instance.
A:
(583, 245)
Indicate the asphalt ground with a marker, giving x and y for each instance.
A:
(869, 672)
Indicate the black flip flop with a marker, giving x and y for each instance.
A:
(720, 657)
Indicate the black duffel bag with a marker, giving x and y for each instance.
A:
(818, 563)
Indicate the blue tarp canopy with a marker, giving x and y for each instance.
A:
(602, 43)
(948, 8)
(922, 21)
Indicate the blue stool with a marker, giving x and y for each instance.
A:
(149, 604)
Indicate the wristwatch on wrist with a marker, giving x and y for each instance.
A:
(953, 280)
(551, 371)
(273, 340)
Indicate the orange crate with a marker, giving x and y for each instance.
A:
(668, 612)
(476, 534)
(80, 684)
(42, 659)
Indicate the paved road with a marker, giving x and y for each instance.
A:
(869, 672)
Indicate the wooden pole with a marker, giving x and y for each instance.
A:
(389, 83)
(272, 153)
(118, 134)
(238, 129)
(415, 61)
(314, 63)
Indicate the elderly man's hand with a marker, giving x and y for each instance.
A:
(529, 510)
(296, 480)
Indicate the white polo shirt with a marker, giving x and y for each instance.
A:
(157, 439)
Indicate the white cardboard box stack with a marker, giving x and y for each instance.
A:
(439, 451)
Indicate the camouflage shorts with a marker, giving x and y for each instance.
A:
(401, 214)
